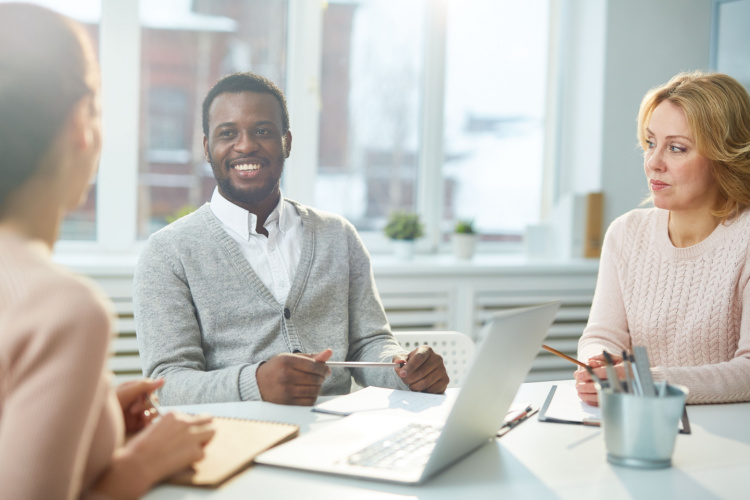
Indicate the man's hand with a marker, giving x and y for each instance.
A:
(424, 371)
(293, 379)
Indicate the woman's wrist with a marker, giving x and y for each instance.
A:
(127, 477)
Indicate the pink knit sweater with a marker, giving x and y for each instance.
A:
(684, 304)
(60, 421)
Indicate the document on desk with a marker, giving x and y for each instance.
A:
(564, 406)
(391, 401)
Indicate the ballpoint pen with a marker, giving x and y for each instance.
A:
(515, 418)
(363, 364)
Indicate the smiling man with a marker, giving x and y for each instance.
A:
(246, 298)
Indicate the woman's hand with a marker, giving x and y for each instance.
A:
(170, 444)
(585, 385)
(137, 410)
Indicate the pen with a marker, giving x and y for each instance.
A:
(628, 381)
(636, 379)
(593, 375)
(155, 409)
(363, 364)
(513, 417)
(614, 382)
(564, 356)
(516, 418)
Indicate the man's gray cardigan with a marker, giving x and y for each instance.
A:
(205, 321)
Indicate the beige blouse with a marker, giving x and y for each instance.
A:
(60, 421)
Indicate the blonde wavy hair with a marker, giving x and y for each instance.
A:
(717, 108)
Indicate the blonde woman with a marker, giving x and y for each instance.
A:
(674, 278)
(62, 426)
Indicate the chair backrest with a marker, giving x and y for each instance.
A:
(456, 348)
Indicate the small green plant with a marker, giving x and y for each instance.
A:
(179, 213)
(403, 226)
(465, 226)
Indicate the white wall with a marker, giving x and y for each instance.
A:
(616, 51)
(733, 40)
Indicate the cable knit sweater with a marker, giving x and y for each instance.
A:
(60, 421)
(684, 304)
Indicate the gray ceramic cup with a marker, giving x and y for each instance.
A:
(641, 431)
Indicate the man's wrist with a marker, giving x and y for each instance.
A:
(248, 382)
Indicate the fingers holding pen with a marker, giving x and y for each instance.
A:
(293, 378)
(424, 371)
(134, 398)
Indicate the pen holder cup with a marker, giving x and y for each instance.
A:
(641, 431)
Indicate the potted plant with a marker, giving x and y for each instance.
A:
(464, 239)
(403, 228)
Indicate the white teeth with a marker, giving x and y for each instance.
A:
(246, 166)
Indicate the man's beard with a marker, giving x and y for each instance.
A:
(251, 197)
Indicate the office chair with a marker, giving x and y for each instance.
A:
(456, 349)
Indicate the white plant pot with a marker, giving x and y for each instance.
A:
(463, 245)
(403, 249)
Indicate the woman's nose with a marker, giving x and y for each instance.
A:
(656, 160)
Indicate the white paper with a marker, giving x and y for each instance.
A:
(567, 406)
(392, 401)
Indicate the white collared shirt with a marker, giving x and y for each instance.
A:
(274, 258)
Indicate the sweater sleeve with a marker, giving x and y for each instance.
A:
(169, 337)
(607, 328)
(54, 393)
(370, 337)
(726, 382)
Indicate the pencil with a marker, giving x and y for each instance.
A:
(564, 356)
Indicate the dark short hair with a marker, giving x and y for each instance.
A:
(45, 61)
(246, 82)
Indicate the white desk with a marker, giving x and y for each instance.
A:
(534, 460)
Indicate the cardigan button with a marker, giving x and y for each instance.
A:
(287, 313)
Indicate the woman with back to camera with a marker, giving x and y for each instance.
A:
(62, 426)
(674, 278)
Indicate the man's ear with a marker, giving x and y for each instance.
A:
(206, 154)
(287, 142)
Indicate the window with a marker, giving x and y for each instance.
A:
(495, 86)
(186, 47)
(429, 106)
(81, 223)
(371, 78)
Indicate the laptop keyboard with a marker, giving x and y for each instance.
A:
(407, 447)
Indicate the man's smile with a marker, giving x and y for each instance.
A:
(247, 166)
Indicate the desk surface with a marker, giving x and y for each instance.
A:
(534, 460)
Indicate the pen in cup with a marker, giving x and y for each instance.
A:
(611, 373)
(638, 388)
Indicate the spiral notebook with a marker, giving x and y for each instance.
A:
(234, 445)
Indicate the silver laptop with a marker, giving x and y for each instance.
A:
(406, 450)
